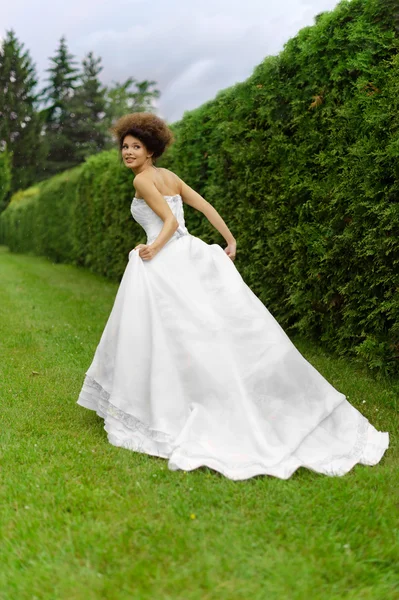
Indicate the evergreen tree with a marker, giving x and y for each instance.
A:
(120, 99)
(62, 153)
(87, 111)
(143, 96)
(20, 124)
(5, 177)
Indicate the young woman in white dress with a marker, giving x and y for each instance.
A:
(191, 366)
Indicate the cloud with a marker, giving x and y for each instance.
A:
(191, 50)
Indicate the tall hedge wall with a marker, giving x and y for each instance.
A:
(301, 160)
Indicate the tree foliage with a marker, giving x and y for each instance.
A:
(59, 122)
(86, 110)
(20, 124)
(130, 96)
(68, 120)
(81, 110)
(5, 178)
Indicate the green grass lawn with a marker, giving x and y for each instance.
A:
(83, 520)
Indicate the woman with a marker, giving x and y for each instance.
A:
(191, 366)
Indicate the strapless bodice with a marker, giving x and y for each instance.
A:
(151, 223)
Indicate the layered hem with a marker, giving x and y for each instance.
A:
(126, 431)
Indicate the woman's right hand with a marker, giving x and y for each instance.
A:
(231, 250)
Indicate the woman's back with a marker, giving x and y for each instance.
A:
(166, 182)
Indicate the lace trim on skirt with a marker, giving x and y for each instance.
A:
(100, 397)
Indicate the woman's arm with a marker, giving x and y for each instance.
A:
(147, 190)
(192, 198)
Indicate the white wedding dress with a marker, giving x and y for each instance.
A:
(192, 367)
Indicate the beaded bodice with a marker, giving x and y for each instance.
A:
(151, 223)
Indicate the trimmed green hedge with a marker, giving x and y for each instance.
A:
(80, 216)
(301, 160)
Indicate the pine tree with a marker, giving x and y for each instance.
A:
(5, 177)
(62, 153)
(87, 111)
(144, 96)
(120, 99)
(20, 123)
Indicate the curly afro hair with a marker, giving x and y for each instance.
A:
(148, 128)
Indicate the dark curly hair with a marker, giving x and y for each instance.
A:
(148, 128)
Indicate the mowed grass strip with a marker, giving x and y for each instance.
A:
(83, 520)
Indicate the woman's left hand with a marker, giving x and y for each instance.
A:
(146, 252)
(231, 250)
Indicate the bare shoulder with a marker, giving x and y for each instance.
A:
(163, 170)
(170, 178)
(142, 180)
(144, 176)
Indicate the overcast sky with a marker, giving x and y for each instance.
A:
(191, 48)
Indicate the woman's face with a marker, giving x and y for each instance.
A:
(135, 155)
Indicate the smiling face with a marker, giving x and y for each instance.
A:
(135, 155)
